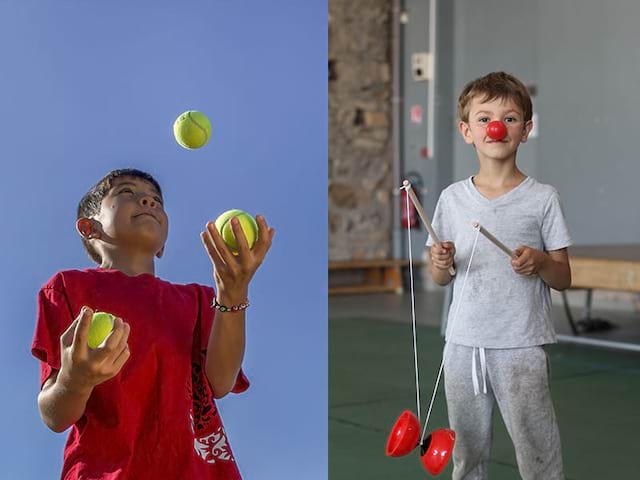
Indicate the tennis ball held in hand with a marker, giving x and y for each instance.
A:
(247, 222)
(101, 326)
(192, 129)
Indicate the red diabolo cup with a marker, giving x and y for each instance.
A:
(404, 435)
(496, 130)
(436, 450)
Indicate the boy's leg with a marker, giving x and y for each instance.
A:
(520, 380)
(470, 416)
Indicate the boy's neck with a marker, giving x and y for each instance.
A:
(497, 178)
(129, 265)
(498, 173)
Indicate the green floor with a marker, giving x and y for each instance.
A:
(371, 380)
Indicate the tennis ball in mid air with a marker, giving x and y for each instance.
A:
(192, 129)
(247, 222)
(101, 326)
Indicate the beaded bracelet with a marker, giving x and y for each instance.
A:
(232, 309)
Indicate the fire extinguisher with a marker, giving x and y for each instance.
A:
(409, 218)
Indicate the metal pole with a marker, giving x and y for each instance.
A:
(397, 245)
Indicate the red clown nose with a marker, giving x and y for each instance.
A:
(496, 130)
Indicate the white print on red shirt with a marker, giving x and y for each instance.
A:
(213, 447)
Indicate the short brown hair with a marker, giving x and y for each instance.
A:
(492, 86)
(90, 203)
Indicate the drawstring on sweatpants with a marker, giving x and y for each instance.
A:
(483, 369)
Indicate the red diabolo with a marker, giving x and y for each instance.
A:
(496, 130)
(404, 435)
(436, 450)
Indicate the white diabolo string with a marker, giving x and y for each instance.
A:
(413, 306)
(446, 345)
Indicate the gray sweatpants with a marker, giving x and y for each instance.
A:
(517, 380)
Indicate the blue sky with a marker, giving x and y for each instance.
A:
(86, 87)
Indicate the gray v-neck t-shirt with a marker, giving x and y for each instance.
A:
(500, 308)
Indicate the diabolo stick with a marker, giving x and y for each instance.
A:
(423, 216)
(494, 240)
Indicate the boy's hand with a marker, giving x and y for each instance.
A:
(233, 273)
(442, 255)
(82, 368)
(527, 261)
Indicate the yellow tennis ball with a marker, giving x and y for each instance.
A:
(101, 326)
(247, 222)
(192, 129)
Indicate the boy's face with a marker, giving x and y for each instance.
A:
(131, 217)
(474, 132)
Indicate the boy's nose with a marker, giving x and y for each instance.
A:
(148, 201)
(496, 130)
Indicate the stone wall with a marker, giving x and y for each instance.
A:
(360, 148)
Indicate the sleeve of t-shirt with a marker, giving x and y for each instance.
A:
(438, 221)
(207, 317)
(555, 233)
(53, 318)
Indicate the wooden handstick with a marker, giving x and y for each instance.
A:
(494, 240)
(423, 216)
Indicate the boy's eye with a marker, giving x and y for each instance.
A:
(159, 200)
(510, 120)
(126, 190)
(483, 119)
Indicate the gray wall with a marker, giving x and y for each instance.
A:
(436, 172)
(584, 58)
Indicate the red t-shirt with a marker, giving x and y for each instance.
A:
(157, 418)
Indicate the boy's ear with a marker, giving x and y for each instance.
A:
(87, 229)
(527, 130)
(465, 131)
(160, 253)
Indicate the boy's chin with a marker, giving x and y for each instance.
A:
(499, 154)
(147, 244)
(150, 233)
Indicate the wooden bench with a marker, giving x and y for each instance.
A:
(601, 267)
(373, 276)
(606, 267)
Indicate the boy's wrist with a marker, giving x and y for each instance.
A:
(68, 385)
(544, 260)
(232, 298)
(441, 275)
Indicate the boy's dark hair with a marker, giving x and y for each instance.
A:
(492, 86)
(90, 204)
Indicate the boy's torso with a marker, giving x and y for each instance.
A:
(142, 418)
(499, 308)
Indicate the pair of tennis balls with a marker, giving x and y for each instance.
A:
(192, 130)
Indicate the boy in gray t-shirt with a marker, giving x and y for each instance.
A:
(496, 330)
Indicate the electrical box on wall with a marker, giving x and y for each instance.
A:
(422, 66)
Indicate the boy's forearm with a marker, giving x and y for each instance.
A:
(225, 351)
(555, 274)
(61, 406)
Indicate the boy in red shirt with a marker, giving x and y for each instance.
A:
(141, 405)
